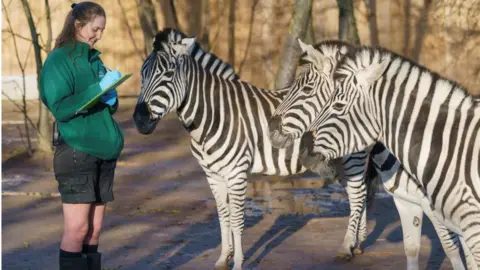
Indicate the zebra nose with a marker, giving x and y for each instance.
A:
(142, 110)
(306, 144)
(277, 138)
(316, 162)
(274, 123)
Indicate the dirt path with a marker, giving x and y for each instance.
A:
(164, 215)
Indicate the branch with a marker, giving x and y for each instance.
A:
(231, 33)
(129, 29)
(14, 39)
(23, 111)
(174, 14)
(249, 41)
(49, 27)
(33, 32)
(215, 37)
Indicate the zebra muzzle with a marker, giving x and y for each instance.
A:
(275, 134)
(316, 162)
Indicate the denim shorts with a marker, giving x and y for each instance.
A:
(81, 177)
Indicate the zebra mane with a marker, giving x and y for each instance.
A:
(329, 48)
(168, 36)
(356, 60)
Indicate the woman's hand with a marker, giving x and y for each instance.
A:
(110, 97)
(109, 78)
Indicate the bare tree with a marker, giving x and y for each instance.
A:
(420, 30)
(44, 124)
(372, 21)
(250, 34)
(23, 106)
(48, 20)
(310, 35)
(148, 22)
(141, 54)
(406, 38)
(291, 50)
(231, 33)
(347, 26)
(205, 33)
(169, 14)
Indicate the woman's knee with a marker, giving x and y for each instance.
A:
(94, 232)
(77, 231)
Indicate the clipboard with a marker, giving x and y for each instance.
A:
(96, 98)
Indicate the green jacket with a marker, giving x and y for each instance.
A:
(70, 78)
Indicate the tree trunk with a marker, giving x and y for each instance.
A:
(23, 106)
(169, 14)
(265, 34)
(291, 50)
(148, 22)
(231, 33)
(205, 33)
(406, 26)
(420, 30)
(249, 39)
(44, 126)
(310, 35)
(372, 22)
(347, 27)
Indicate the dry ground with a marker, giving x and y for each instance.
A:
(164, 216)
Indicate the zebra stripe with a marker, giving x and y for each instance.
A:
(309, 93)
(429, 123)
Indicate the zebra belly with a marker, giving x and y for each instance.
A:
(268, 160)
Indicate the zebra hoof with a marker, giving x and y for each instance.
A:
(357, 251)
(344, 257)
(221, 266)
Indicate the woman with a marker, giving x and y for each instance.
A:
(90, 141)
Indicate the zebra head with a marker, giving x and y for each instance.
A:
(162, 90)
(308, 93)
(348, 122)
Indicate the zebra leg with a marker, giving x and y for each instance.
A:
(220, 192)
(362, 233)
(471, 264)
(472, 241)
(411, 216)
(357, 194)
(448, 239)
(237, 191)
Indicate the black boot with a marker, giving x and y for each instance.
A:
(78, 263)
(94, 261)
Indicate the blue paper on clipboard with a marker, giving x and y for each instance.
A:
(96, 98)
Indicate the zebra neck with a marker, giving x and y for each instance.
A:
(424, 120)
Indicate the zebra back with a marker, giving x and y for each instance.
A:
(164, 40)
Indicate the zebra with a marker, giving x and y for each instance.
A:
(308, 94)
(205, 101)
(382, 97)
(298, 118)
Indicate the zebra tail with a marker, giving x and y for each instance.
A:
(371, 181)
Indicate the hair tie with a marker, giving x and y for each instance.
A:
(73, 5)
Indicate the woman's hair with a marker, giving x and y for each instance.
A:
(83, 12)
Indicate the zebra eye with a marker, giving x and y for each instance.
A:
(168, 73)
(339, 106)
(308, 89)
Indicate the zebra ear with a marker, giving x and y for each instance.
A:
(313, 55)
(369, 75)
(185, 46)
